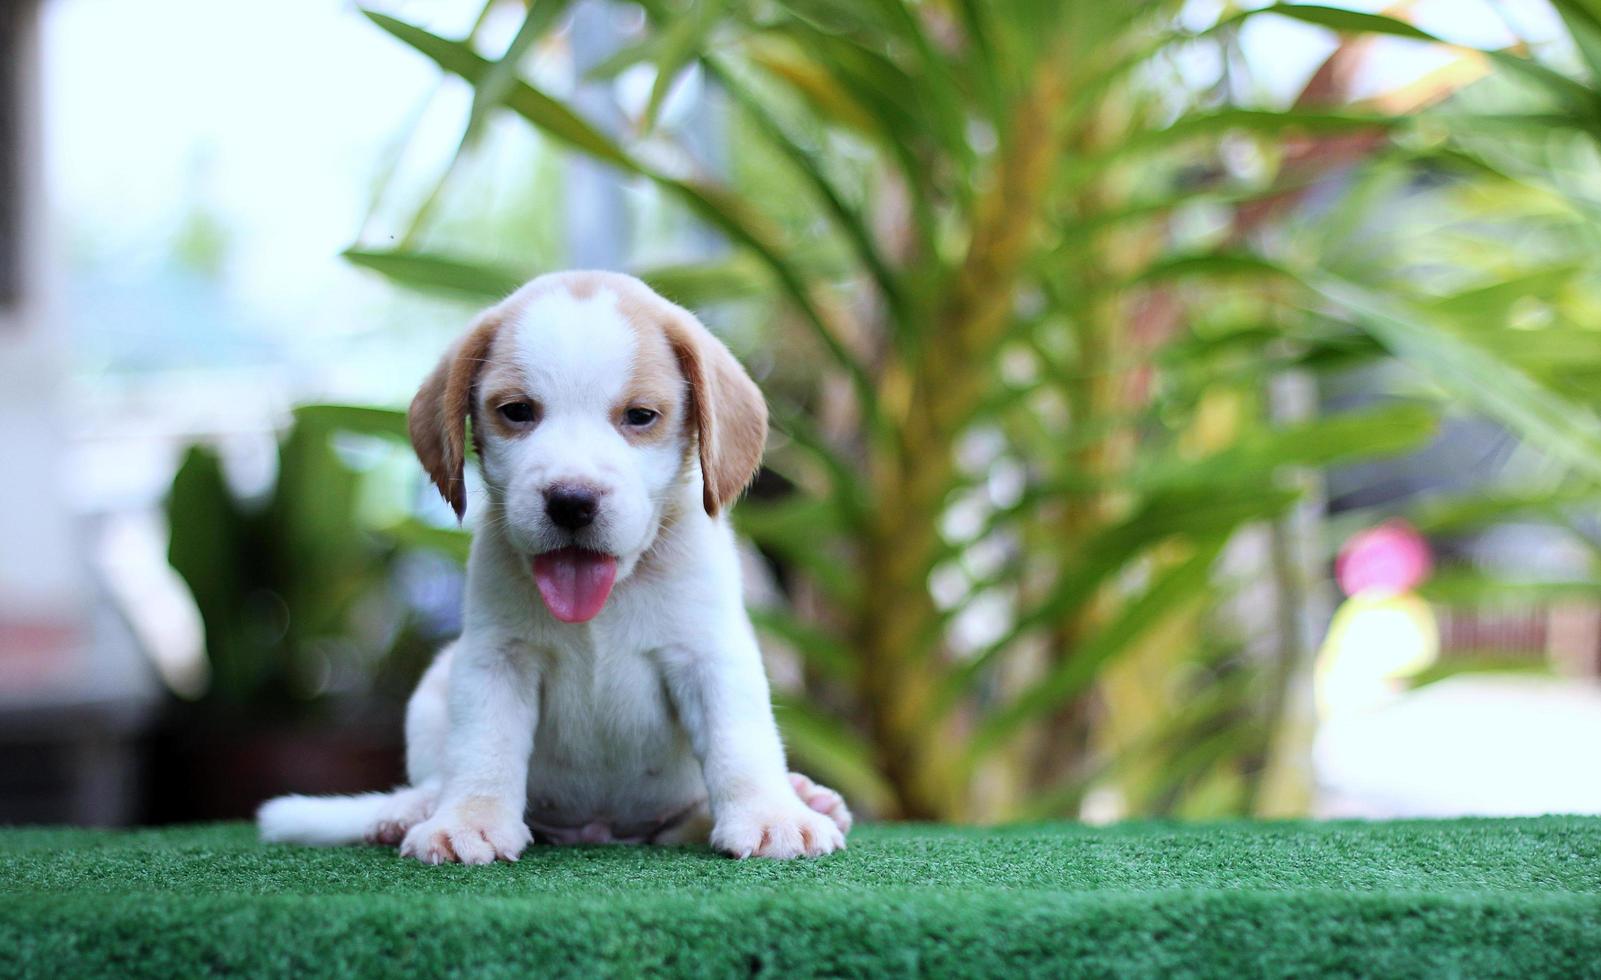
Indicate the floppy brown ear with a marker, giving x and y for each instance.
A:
(729, 412)
(437, 418)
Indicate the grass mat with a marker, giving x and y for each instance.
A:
(1471, 897)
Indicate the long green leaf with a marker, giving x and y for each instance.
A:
(1173, 590)
(691, 285)
(1447, 515)
(712, 204)
(1218, 122)
(1550, 353)
(1575, 95)
(821, 649)
(699, 284)
(451, 542)
(1476, 590)
(942, 100)
(1199, 515)
(848, 86)
(1583, 20)
(1322, 442)
(440, 274)
(1192, 716)
(364, 420)
(1218, 265)
(1494, 302)
(679, 42)
(1567, 431)
(1340, 19)
(805, 531)
(538, 108)
(502, 75)
(833, 753)
(811, 169)
(849, 494)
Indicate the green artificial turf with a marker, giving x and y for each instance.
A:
(1445, 898)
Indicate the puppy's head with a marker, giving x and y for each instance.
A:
(593, 401)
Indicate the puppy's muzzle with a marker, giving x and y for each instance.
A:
(572, 506)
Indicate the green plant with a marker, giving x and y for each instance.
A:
(294, 594)
(1043, 318)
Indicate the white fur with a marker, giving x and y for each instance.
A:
(650, 722)
(577, 356)
(321, 820)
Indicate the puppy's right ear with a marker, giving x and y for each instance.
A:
(437, 419)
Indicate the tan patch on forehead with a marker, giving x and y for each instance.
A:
(582, 284)
(656, 379)
(635, 300)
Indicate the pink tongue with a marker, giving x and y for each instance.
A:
(574, 583)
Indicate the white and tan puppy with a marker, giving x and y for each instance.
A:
(607, 684)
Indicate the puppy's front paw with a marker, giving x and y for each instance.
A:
(780, 828)
(822, 799)
(475, 831)
(405, 809)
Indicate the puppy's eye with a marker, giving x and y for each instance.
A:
(638, 418)
(518, 413)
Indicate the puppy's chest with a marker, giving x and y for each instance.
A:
(603, 707)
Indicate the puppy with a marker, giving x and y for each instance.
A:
(607, 685)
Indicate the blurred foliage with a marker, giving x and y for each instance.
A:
(1051, 320)
(296, 597)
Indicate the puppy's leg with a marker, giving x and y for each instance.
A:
(377, 818)
(492, 696)
(427, 730)
(722, 699)
(405, 809)
(822, 799)
(428, 721)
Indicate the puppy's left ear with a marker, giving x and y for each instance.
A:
(728, 410)
(437, 419)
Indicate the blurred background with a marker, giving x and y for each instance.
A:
(1182, 409)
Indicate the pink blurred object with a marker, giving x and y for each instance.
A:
(1383, 560)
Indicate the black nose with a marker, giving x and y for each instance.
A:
(571, 507)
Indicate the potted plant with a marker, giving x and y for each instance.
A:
(312, 636)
